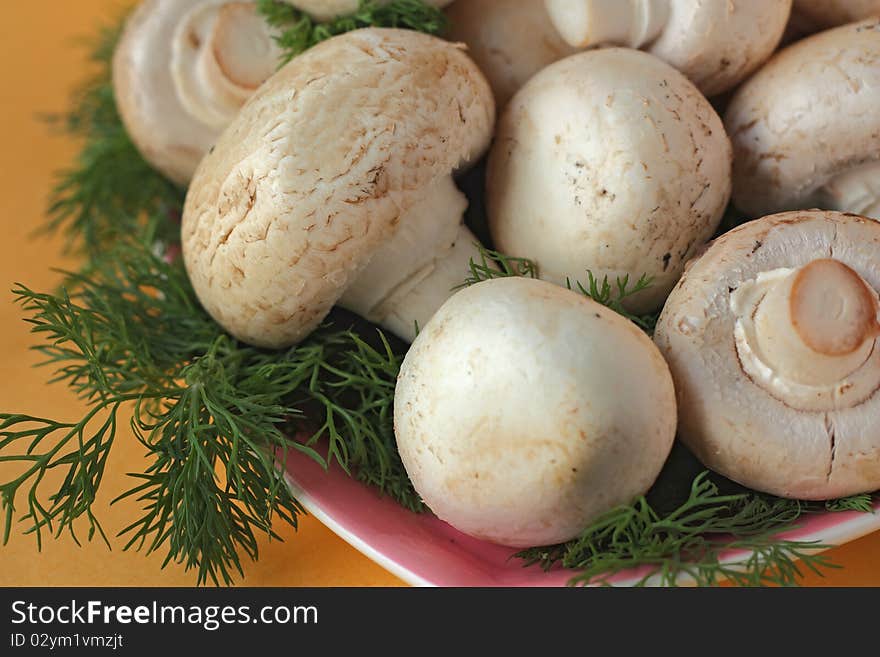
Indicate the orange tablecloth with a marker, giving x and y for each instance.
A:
(39, 62)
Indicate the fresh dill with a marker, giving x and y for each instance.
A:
(863, 503)
(299, 31)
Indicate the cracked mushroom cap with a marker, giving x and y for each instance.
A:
(326, 10)
(771, 336)
(510, 40)
(805, 128)
(612, 161)
(524, 410)
(716, 44)
(315, 173)
(823, 14)
(182, 70)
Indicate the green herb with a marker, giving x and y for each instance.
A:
(111, 190)
(862, 503)
(299, 31)
(494, 264)
(691, 541)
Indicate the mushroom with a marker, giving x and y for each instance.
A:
(510, 40)
(716, 44)
(805, 128)
(335, 183)
(327, 10)
(182, 70)
(523, 411)
(771, 336)
(612, 161)
(823, 14)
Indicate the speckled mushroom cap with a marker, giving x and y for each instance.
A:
(612, 161)
(806, 129)
(771, 336)
(510, 40)
(524, 410)
(182, 70)
(716, 44)
(823, 14)
(325, 10)
(316, 172)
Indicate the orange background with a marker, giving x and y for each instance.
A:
(39, 62)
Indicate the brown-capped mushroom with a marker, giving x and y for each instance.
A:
(510, 40)
(336, 181)
(609, 161)
(772, 338)
(182, 70)
(716, 44)
(805, 128)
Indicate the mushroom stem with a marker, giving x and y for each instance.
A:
(593, 22)
(856, 190)
(816, 325)
(419, 268)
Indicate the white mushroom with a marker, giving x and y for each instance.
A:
(806, 130)
(510, 40)
(611, 161)
(326, 10)
(524, 410)
(823, 14)
(771, 336)
(338, 180)
(182, 70)
(716, 44)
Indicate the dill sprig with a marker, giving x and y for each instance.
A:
(494, 264)
(110, 190)
(214, 415)
(299, 31)
(692, 542)
(863, 503)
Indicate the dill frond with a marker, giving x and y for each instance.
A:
(299, 32)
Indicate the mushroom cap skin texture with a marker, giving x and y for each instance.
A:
(771, 336)
(805, 128)
(318, 172)
(716, 44)
(524, 410)
(326, 10)
(823, 14)
(510, 40)
(612, 161)
(181, 71)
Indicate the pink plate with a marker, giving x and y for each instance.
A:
(425, 551)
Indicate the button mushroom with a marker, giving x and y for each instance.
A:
(326, 10)
(771, 336)
(823, 14)
(612, 161)
(510, 40)
(716, 44)
(806, 130)
(524, 410)
(338, 180)
(181, 71)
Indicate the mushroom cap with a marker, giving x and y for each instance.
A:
(510, 40)
(326, 10)
(181, 71)
(524, 410)
(807, 116)
(761, 421)
(612, 161)
(715, 44)
(719, 44)
(316, 171)
(830, 13)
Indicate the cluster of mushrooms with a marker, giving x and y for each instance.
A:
(523, 409)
